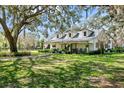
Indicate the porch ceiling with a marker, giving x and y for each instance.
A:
(71, 42)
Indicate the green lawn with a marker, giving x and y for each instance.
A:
(63, 70)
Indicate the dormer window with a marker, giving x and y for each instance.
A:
(57, 36)
(109, 41)
(69, 34)
(85, 34)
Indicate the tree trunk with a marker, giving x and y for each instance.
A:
(11, 39)
(12, 43)
(13, 46)
(102, 47)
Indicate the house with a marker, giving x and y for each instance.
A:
(77, 40)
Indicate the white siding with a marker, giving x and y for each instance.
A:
(92, 45)
(81, 45)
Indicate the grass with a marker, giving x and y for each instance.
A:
(64, 70)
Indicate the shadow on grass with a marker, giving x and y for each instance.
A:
(22, 73)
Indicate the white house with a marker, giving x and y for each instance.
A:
(79, 40)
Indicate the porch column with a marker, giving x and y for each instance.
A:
(94, 45)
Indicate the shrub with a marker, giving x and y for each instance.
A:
(8, 54)
(117, 49)
(95, 52)
(61, 51)
(21, 54)
(56, 51)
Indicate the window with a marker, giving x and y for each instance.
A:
(85, 33)
(53, 45)
(106, 45)
(57, 36)
(69, 34)
(109, 41)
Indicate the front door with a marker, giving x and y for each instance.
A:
(74, 48)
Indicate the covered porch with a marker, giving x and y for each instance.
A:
(72, 47)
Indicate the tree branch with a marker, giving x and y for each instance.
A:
(38, 12)
(6, 30)
(26, 17)
(3, 14)
(0, 20)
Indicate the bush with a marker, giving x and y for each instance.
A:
(50, 51)
(8, 54)
(21, 54)
(56, 51)
(95, 52)
(61, 51)
(117, 49)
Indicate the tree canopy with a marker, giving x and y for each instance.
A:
(16, 19)
(109, 19)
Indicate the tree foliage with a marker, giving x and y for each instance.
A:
(14, 19)
(109, 19)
